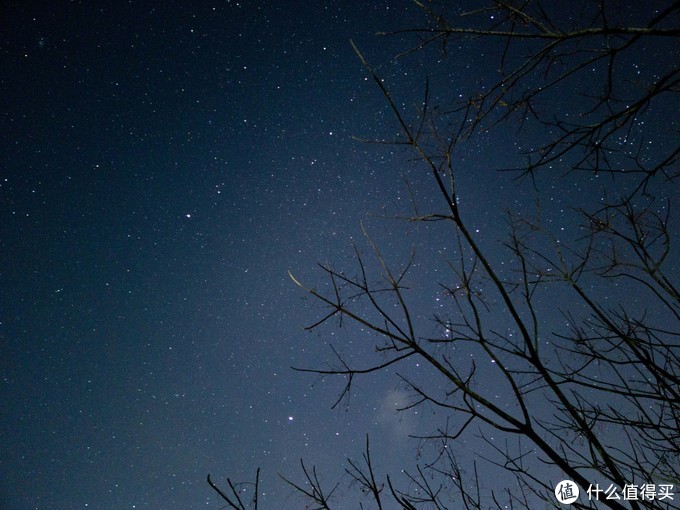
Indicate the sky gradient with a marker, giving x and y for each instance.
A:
(164, 165)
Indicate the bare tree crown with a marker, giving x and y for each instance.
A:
(596, 398)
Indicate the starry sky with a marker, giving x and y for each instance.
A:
(163, 166)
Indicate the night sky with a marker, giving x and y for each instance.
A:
(163, 166)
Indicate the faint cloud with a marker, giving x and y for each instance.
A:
(396, 423)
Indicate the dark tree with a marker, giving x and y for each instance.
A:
(594, 397)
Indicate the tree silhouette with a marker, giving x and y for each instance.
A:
(595, 397)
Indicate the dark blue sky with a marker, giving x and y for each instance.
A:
(163, 167)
